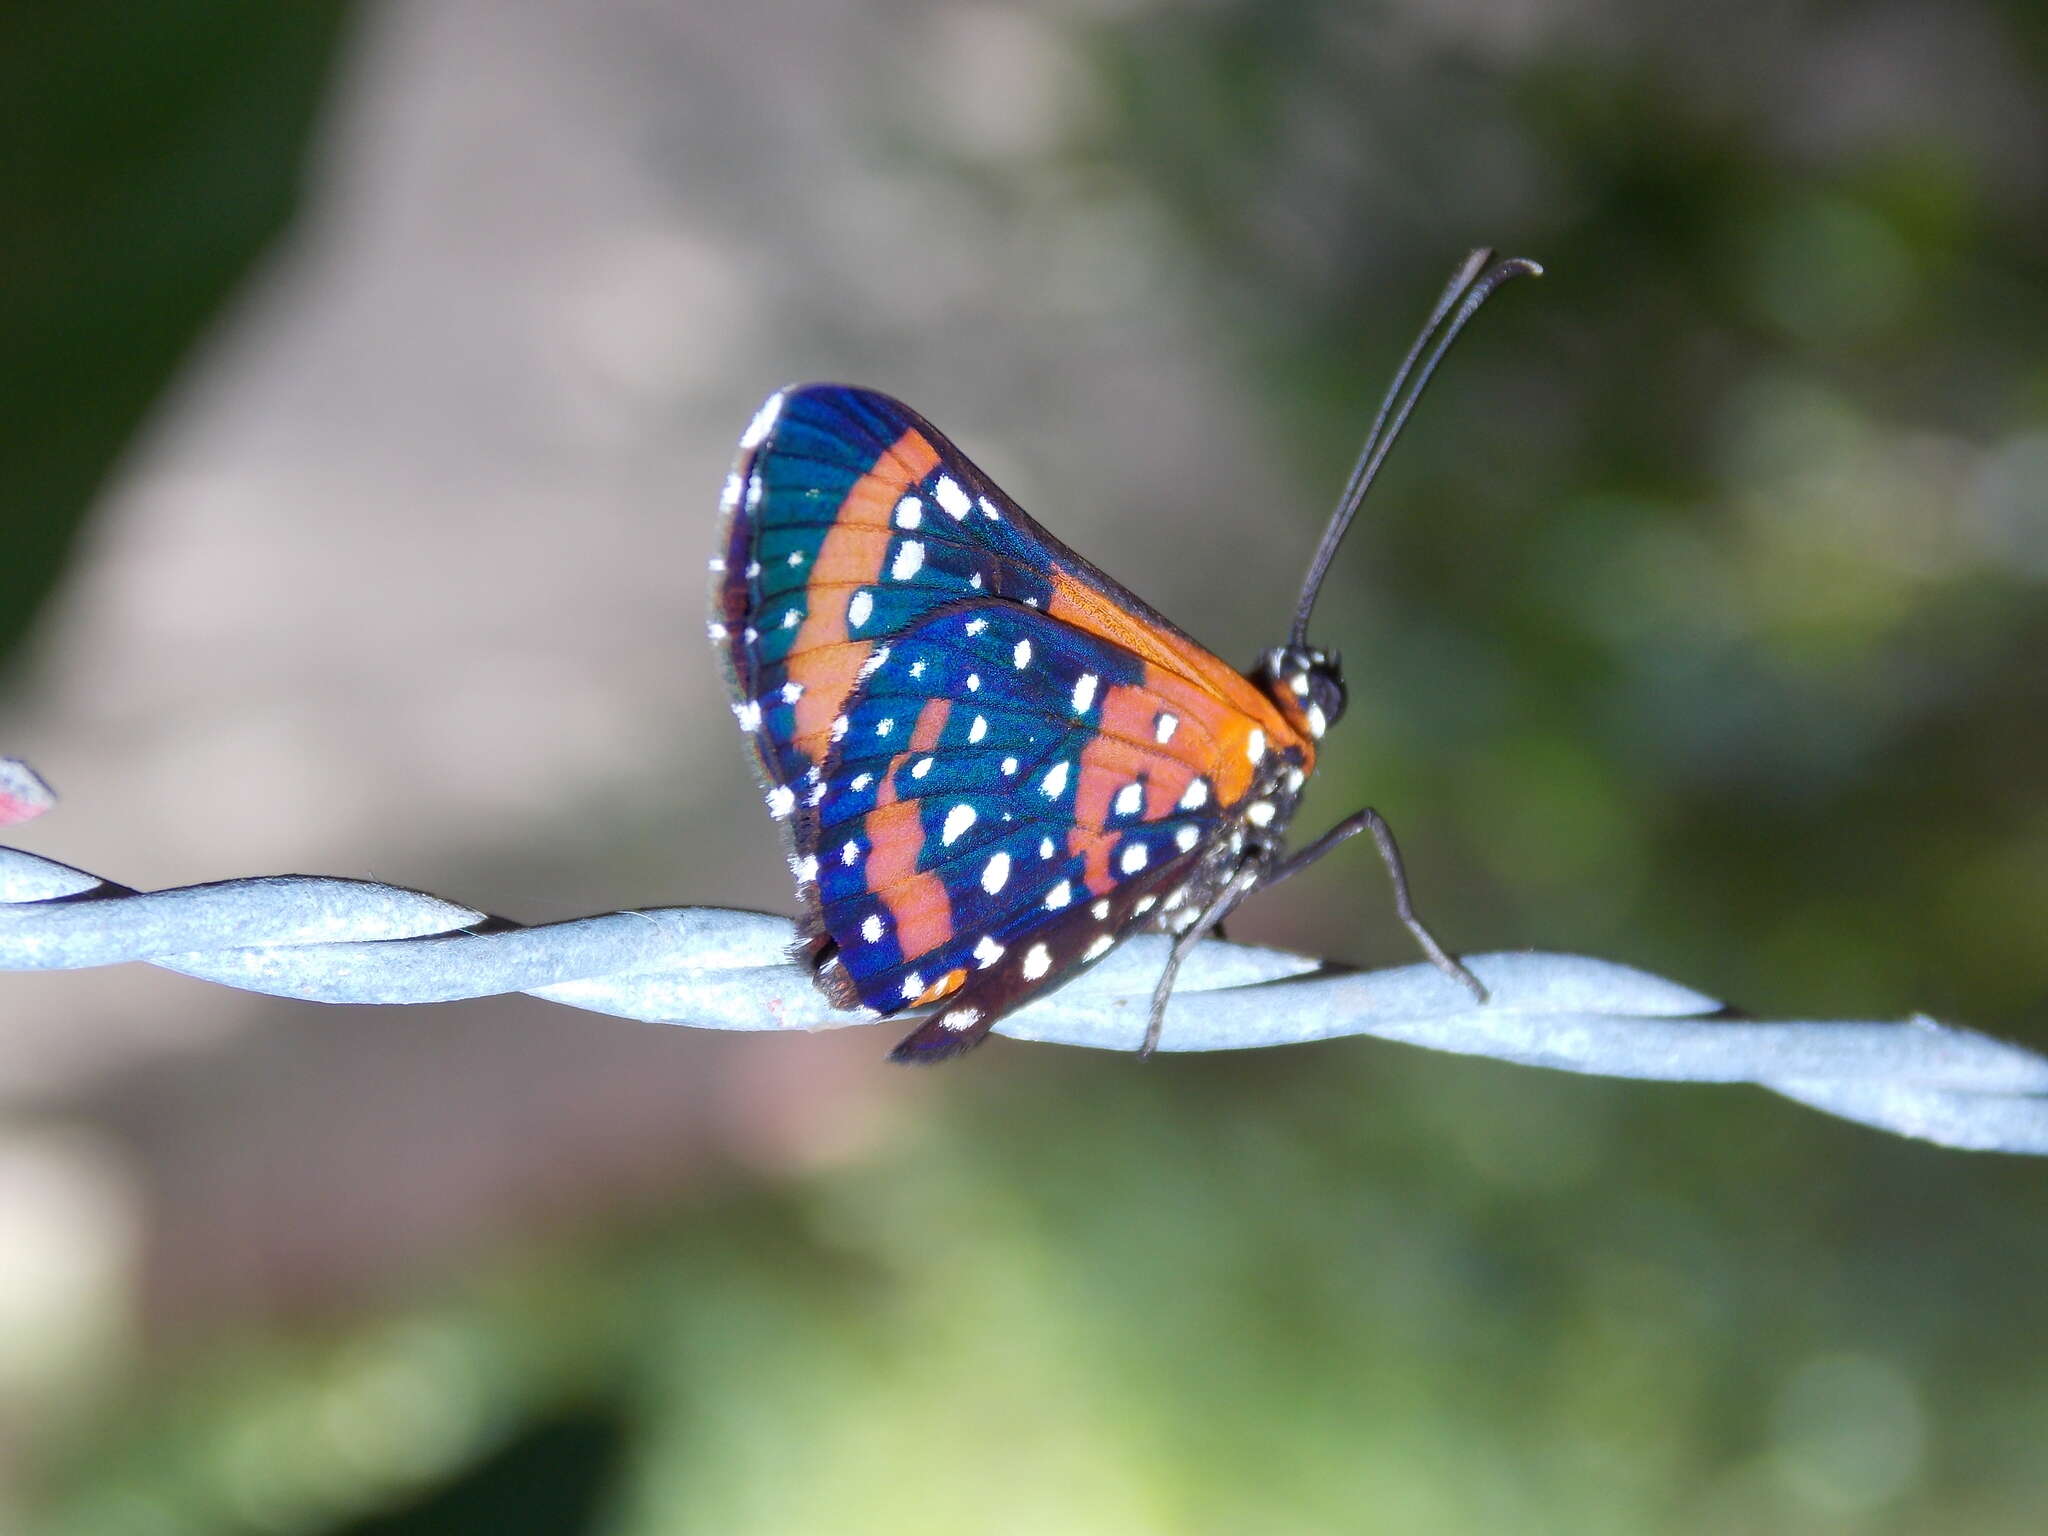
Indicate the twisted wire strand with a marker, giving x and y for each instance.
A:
(333, 940)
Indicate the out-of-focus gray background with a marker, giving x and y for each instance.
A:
(371, 371)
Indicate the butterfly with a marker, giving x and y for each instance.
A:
(991, 761)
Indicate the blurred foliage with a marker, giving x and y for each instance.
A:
(1325, 1290)
(153, 152)
(1715, 569)
(1703, 629)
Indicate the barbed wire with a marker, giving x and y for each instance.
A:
(333, 940)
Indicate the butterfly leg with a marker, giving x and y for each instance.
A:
(1370, 820)
(1209, 922)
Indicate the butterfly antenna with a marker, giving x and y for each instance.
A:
(1470, 286)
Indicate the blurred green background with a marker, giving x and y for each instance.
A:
(370, 374)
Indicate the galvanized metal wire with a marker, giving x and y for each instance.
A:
(333, 940)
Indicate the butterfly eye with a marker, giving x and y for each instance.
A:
(1326, 693)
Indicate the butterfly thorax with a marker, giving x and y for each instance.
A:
(1304, 687)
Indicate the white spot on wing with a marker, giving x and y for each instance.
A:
(909, 560)
(791, 692)
(1255, 745)
(871, 928)
(1009, 766)
(1084, 692)
(951, 497)
(920, 768)
(791, 617)
(988, 509)
(1100, 909)
(796, 557)
(1195, 796)
(1259, 813)
(861, 781)
(1145, 904)
(1098, 948)
(1130, 799)
(974, 682)
(977, 730)
(960, 1018)
(781, 801)
(1133, 858)
(958, 820)
(805, 869)
(1055, 781)
(858, 610)
(913, 987)
(763, 422)
(1317, 721)
(748, 715)
(1163, 731)
(1037, 961)
(1186, 838)
(987, 951)
(716, 630)
(885, 725)
(909, 512)
(849, 853)
(1020, 654)
(995, 874)
(1059, 896)
(976, 626)
(1045, 848)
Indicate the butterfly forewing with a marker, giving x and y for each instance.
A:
(850, 520)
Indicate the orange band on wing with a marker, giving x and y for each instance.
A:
(1094, 849)
(931, 725)
(945, 986)
(824, 661)
(1112, 760)
(1234, 706)
(918, 904)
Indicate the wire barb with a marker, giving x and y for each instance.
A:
(333, 940)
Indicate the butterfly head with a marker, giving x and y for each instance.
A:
(1307, 684)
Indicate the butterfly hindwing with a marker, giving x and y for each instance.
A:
(1005, 792)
